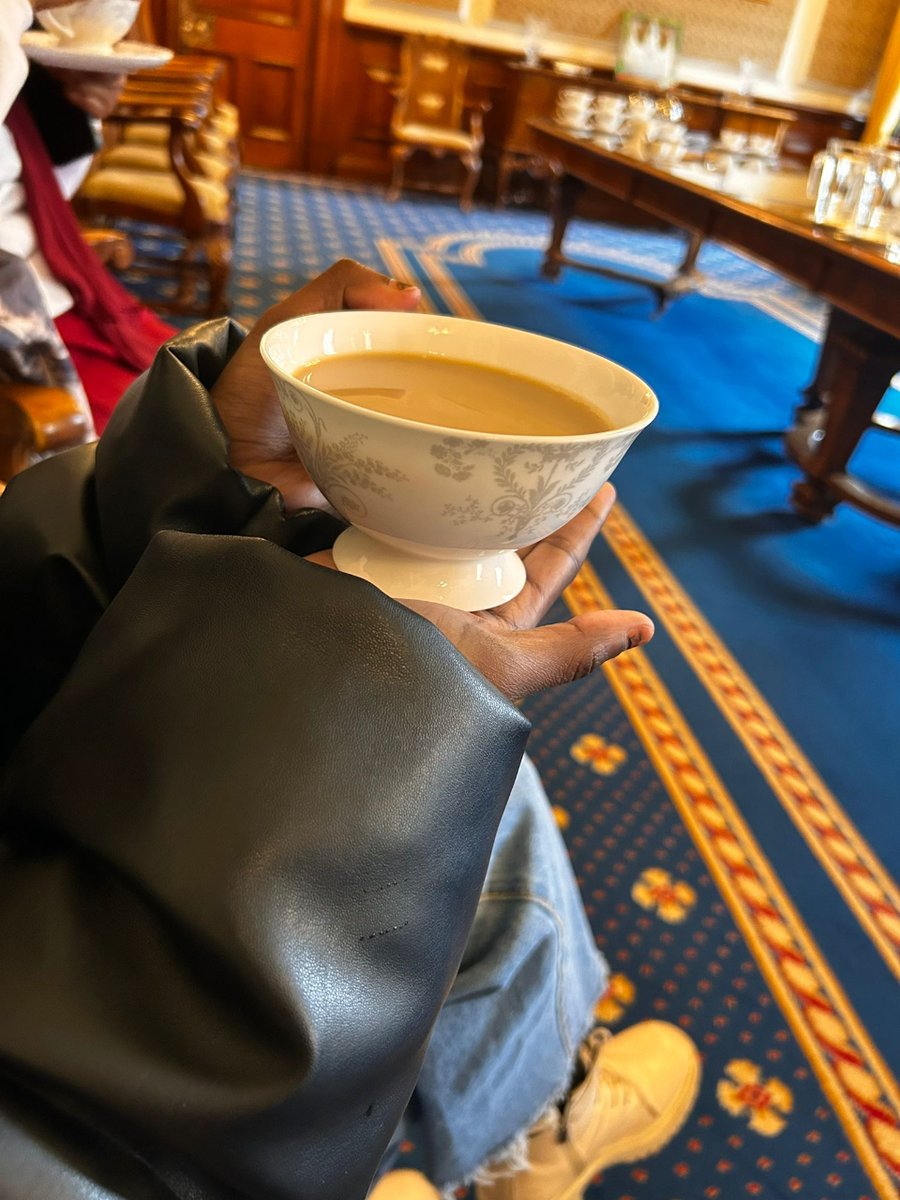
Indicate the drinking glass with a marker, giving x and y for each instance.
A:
(536, 29)
(836, 180)
(748, 73)
(876, 216)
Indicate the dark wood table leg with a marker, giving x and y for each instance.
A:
(564, 193)
(816, 392)
(856, 366)
(686, 277)
(565, 198)
(509, 162)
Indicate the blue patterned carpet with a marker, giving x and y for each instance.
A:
(730, 796)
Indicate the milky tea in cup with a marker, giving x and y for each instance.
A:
(90, 25)
(454, 394)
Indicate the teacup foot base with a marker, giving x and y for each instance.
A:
(470, 584)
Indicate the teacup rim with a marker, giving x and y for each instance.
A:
(450, 430)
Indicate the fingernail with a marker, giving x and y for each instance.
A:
(403, 287)
(635, 638)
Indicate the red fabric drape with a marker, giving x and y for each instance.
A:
(121, 327)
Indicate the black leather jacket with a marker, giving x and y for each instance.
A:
(247, 806)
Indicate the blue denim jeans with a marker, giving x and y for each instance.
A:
(504, 1046)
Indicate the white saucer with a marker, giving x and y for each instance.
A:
(46, 49)
(470, 584)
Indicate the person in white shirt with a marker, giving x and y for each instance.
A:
(72, 324)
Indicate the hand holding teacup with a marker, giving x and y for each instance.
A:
(449, 444)
(245, 395)
(510, 647)
(94, 92)
(503, 644)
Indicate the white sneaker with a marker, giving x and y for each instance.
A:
(403, 1185)
(639, 1088)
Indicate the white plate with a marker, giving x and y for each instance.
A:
(45, 48)
(571, 69)
(573, 126)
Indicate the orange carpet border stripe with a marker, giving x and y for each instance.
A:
(852, 1073)
(840, 849)
(457, 301)
(400, 268)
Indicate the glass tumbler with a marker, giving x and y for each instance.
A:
(836, 179)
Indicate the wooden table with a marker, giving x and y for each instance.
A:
(526, 94)
(861, 352)
(534, 93)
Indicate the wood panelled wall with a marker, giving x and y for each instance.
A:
(293, 69)
(314, 92)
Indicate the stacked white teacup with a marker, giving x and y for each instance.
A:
(609, 110)
(667, 143)
(574, 108)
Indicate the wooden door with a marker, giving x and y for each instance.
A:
(268, 50)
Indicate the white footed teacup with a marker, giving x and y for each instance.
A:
(609, 102)
(575, 98)
(734, 140)
(438, 513)
(91, 25)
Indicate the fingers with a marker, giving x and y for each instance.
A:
(291, 479)
(379, 292)
(96, 94)
(522, 662)
(347, 284)
(519, 662)
(322, 558)
(553, 563)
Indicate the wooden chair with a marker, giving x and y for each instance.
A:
(183, 69)
(143, 146)
(36, 422)
(429, 113)
(181, 198)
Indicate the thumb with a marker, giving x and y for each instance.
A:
(387, 295)
(555, 654)
(347, 284)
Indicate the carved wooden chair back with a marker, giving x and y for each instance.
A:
(433, 82)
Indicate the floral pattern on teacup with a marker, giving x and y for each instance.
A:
(485, 493)
(534, 481)
(340, 468)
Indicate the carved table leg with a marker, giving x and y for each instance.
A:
(815, 394)
(219, 254)
(506, 166)
(564, 202)
(472, 164)
(686, 274)
(855, 369)
(399, 155)
(564, 191)
(555, 176)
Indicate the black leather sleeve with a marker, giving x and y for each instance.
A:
(244, 832)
